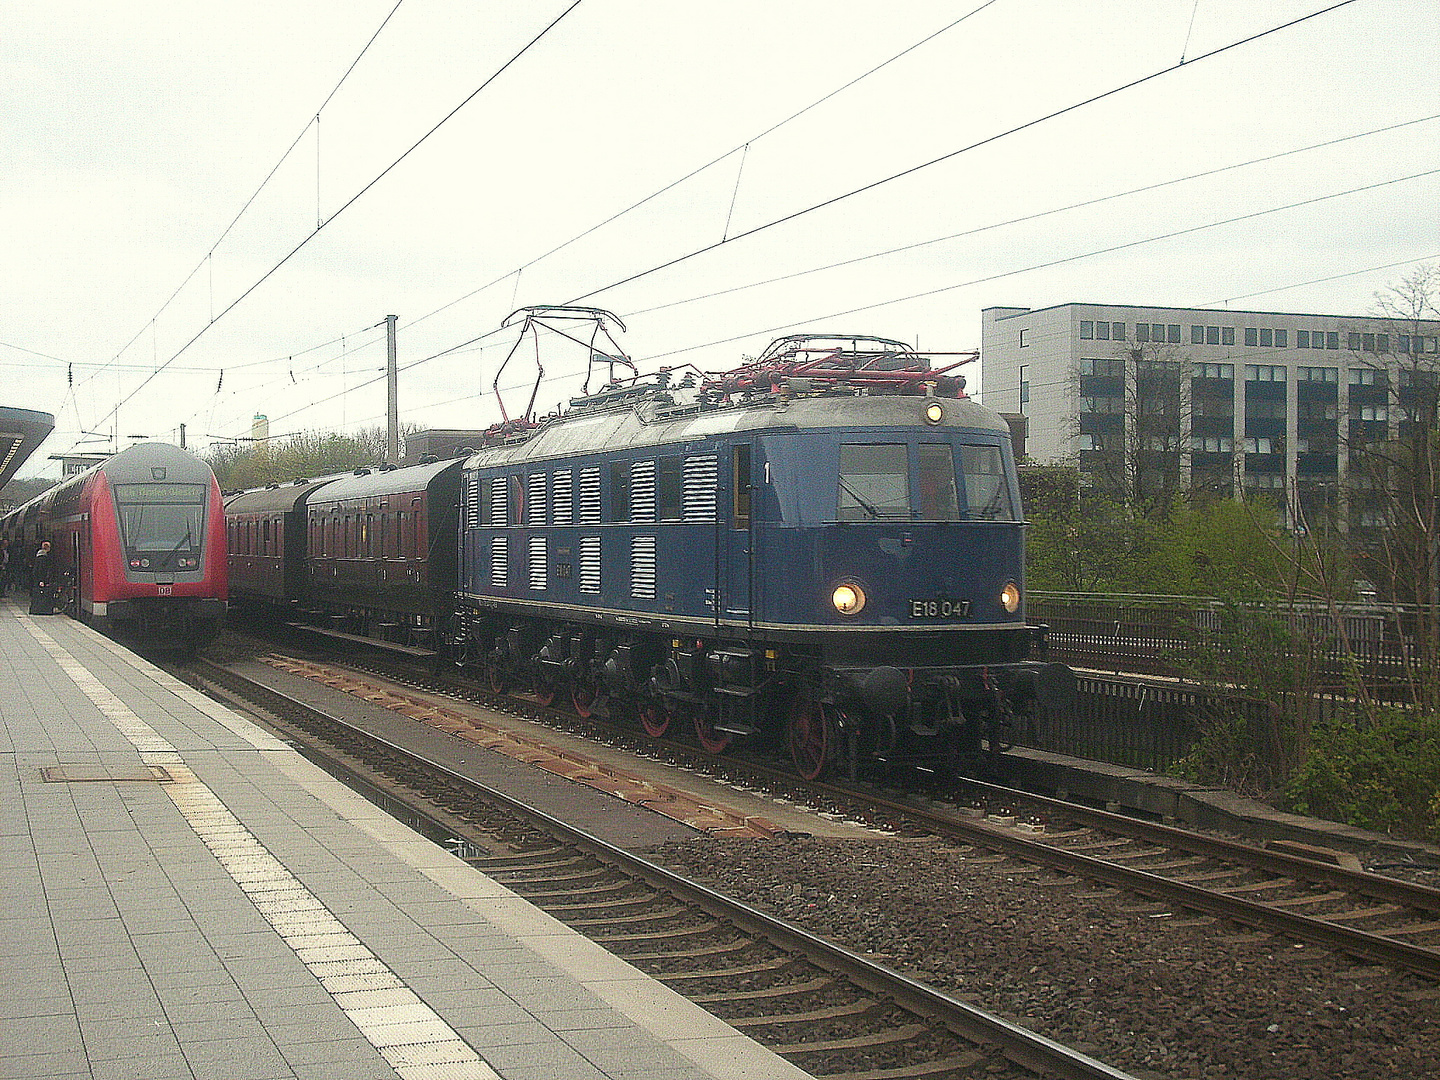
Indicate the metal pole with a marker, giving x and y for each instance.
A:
(392, 395)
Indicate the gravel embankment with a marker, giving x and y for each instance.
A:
(1151, 991)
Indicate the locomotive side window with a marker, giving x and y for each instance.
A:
(485, 494)
(938, 498)
(874, 482)
(669, 489)
(619, 491)
(517, 501)
(986, 492)
(740, 486)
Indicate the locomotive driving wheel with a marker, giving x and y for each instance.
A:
(585, 696)
(654, 718)
(712, 740)
(810, 733)
(545, 691)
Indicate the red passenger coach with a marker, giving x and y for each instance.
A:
(141, 538)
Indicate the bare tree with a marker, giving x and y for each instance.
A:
(1394, 488)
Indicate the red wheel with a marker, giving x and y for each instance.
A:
(544, 692)
(810, 735)
(495, 677)
(583, 697)
(655, 719)
(712, 741)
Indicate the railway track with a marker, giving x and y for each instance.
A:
(1368, 916)
(827, 1009)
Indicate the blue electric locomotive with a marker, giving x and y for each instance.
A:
(825, 548)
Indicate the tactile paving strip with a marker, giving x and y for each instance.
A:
(410, 1035)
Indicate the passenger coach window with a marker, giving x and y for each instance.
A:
(874, 482)
(938, 500)
(986, 492)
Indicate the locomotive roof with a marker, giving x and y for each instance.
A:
(267, 500)
(388, 482)
(653, 424)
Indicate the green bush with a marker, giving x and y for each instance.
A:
(1383, 775)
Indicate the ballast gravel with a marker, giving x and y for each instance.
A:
(1153, 991)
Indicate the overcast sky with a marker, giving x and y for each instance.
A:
(133, 135)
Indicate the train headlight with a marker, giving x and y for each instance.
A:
(1010, 597)
(934, 412)
(848, 598)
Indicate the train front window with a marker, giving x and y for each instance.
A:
(987, 494)
(874, 482)
(938, 500)
(162, 526)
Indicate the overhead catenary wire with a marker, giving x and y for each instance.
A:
(347, 204)
(1110, 249)
(988, 140)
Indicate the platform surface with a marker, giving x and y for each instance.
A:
(184, 896)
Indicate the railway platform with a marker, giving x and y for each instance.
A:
(187, 897)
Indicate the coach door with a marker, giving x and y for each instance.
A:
(734, 545)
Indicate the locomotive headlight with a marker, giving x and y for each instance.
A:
(1010, 597)
(848, 598)
(934, 412)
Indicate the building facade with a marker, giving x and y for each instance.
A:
(1149, 400)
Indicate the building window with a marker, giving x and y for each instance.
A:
(1302, 339)
(1142, 331)
(1260, 445)
(1212, 335)
(1352, 342)
(1025, 337)
(1087, 329)
(1282, 339)
(1102, 331)
(1024, 387)
(1332, 340)
(1227, 335)
(1091, 366)
(1264, 373)
(1197, 335)
(1370, 412)
(1317, 374)
(1252, 336)
(1117, 331)
(1214, 371)
(1365, 377)
(1172, 333)
(1382, 343)
(1367, 342)
(1089, 441)
(1267, 338)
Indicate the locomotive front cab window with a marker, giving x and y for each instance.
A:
(987, 493)
(162, 526)
(938, 498)
(874, 482)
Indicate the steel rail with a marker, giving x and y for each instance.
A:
(1019, 1045)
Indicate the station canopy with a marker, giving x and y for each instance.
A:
(21, 433)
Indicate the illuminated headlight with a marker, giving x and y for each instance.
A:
(848, 599)
(1010, 597)
(934, 412)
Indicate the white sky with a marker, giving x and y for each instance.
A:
(133, 134)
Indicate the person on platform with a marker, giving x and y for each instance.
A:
(4, 566)
(42, 581)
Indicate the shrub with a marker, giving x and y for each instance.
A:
(1382, 775)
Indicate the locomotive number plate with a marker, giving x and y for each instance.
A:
(164, 590)
(939, 609)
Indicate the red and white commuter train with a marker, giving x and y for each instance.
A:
(141, 540)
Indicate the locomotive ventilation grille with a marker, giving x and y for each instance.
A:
(561, 507)
(590, 564)
(590, 496)
(701, 473)
(642, 567)
(499, 562)
(642, 491)
(538, 561)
